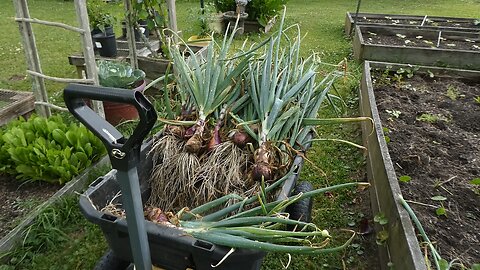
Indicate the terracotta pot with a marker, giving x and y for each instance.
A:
(119, 112)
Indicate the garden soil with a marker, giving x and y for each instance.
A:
(441, 156)
(18, 199)
(415, 40)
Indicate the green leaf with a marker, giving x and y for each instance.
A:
(443, 264)
(476, 266)
(71, 137)
(382, 237)
(59, 136)
(438, 198)
(380, 219)
(405, 178)
(441, 211)
(475, 181)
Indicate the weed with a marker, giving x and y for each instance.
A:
(386, 131)
(452, 92)
(59, 232)
(431, 118)
(394, 113)
(476, 185)
(477, 100)
(405, 179)
(440, 211)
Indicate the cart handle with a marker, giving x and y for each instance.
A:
(117, 145)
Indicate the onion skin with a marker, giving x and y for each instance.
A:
(241, 139)
(263, 169)
(215, 140)
(177, 131)
(194, 144)
(190, 132)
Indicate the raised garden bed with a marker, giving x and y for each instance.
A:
(417, 46)
(14, 104)
(432, 140)
(22, 203)
(462, 24)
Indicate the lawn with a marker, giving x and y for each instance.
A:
(331, 163)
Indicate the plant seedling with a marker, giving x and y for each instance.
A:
(431, 118)
(394, 113)
(386, 131)
(476, 183)
(477, 100)
(453, 92)
(405, 178)
(440, 211)
(380, 219)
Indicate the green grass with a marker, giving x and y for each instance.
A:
(80, 244)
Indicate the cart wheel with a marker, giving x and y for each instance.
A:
(302, 209)
(110, 261)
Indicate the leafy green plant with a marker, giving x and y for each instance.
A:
(47, 149)
(119, 75)
(431, 118)
(394, 113)
(408, 72)
(452, 92)
(261, 10)
(98, 15)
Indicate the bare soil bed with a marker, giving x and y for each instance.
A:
(417, 22)
(18, 199)
(433, 129)
(416, 40)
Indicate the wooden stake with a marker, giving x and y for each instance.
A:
(87, 45)
(172, 17)
(33, 60)
(132, 46)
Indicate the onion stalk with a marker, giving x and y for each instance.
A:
(254, 229)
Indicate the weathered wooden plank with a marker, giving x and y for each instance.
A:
(19, 104)
(402, 248)
(349, 21)
(87, 45)
(454, 58)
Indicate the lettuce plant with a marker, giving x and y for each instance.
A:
(47, 149)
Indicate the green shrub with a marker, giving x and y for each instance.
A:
(47, 149)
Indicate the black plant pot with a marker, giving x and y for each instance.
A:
(106, 45)
(108, 31)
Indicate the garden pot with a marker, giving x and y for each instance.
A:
(106, 45)
(215, 24)
(118, 112)
(108, 31)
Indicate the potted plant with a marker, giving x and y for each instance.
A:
(101, 23)
(120, 75)
(261, 13)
